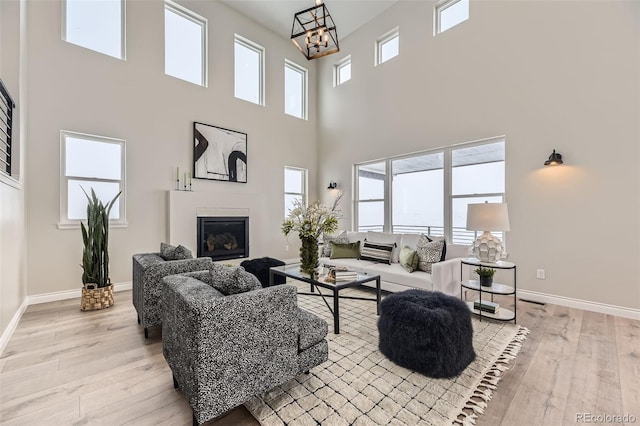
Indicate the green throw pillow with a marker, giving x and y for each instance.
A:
(345, 251)
(409, 259)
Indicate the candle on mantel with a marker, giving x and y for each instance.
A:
(185, 180)
(178, 173)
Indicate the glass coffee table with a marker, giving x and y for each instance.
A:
(293, 272)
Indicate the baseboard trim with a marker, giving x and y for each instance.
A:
(603, 308)
(37, 299)
(8, 332)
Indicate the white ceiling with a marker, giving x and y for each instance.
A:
(277, 15)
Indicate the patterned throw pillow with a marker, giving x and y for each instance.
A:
(232, 280)
(429, 252)
(444, 245)
(169, 252)
(341, 238)
(377, 252)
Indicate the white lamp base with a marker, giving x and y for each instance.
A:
(487, 248)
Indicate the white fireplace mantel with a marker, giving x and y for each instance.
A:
(218, 212)
(186, 206)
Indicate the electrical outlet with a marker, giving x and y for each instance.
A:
(286, 248)
(540, 274)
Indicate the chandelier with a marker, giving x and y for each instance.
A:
(314, 32)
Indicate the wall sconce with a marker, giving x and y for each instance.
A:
(555, 159)
(332, 185)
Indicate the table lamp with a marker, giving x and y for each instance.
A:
(487, 217)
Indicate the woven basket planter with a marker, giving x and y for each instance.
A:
(94, 299)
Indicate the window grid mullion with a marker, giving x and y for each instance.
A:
(447, 190)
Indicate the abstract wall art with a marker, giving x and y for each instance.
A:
(219, 153)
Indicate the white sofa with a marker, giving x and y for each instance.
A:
(444, 277)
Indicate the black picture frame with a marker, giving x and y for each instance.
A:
(219, 153)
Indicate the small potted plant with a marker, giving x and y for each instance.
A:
(486, 275)
(97, 290)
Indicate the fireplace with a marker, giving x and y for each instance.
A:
(223, 238)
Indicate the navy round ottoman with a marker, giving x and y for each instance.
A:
(428, 332)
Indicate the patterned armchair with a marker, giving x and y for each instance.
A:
(225, 349)
(148, 270)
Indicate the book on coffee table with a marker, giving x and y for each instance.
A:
(341, 273)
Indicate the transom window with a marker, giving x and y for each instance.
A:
(96, 25)
(387, 46)
(295, 90)
(249, 71)
(450, 13)
(185, 44)
(342, 71)
(90, 162)
(295, 188)
(429, 192)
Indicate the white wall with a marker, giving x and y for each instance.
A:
(76, 89)
(563, 75)
(13, 234)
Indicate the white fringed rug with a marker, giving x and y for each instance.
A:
(359, 386)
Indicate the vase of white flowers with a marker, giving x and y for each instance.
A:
(310, 222)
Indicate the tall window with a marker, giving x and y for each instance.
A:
(6, 125)
(387, 46)
(295, 90)
(429, 192)
(295, 188)
(96, 25)
(185, 44)
(450, 13)
(477, 175)
(249, 71)
(413, 208)
(342, 71)
(90, 162)
(371, 196)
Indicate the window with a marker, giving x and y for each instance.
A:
(249, 71)
(295, 90)
(424, 213)
(295, 188)
(429, 192)
(342, 71)
(371, 197)
(477, 175)
(387, 46)
(185, 44)
(6, 124)
(450, 13)
(96, 25)
(90, 162)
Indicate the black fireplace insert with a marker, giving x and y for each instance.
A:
(223, 238)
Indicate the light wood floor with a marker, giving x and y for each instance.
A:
(66, 367)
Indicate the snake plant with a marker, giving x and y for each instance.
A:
(95, 236)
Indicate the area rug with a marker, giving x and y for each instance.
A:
(359, 386)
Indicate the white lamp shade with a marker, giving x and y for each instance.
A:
(488, 217)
